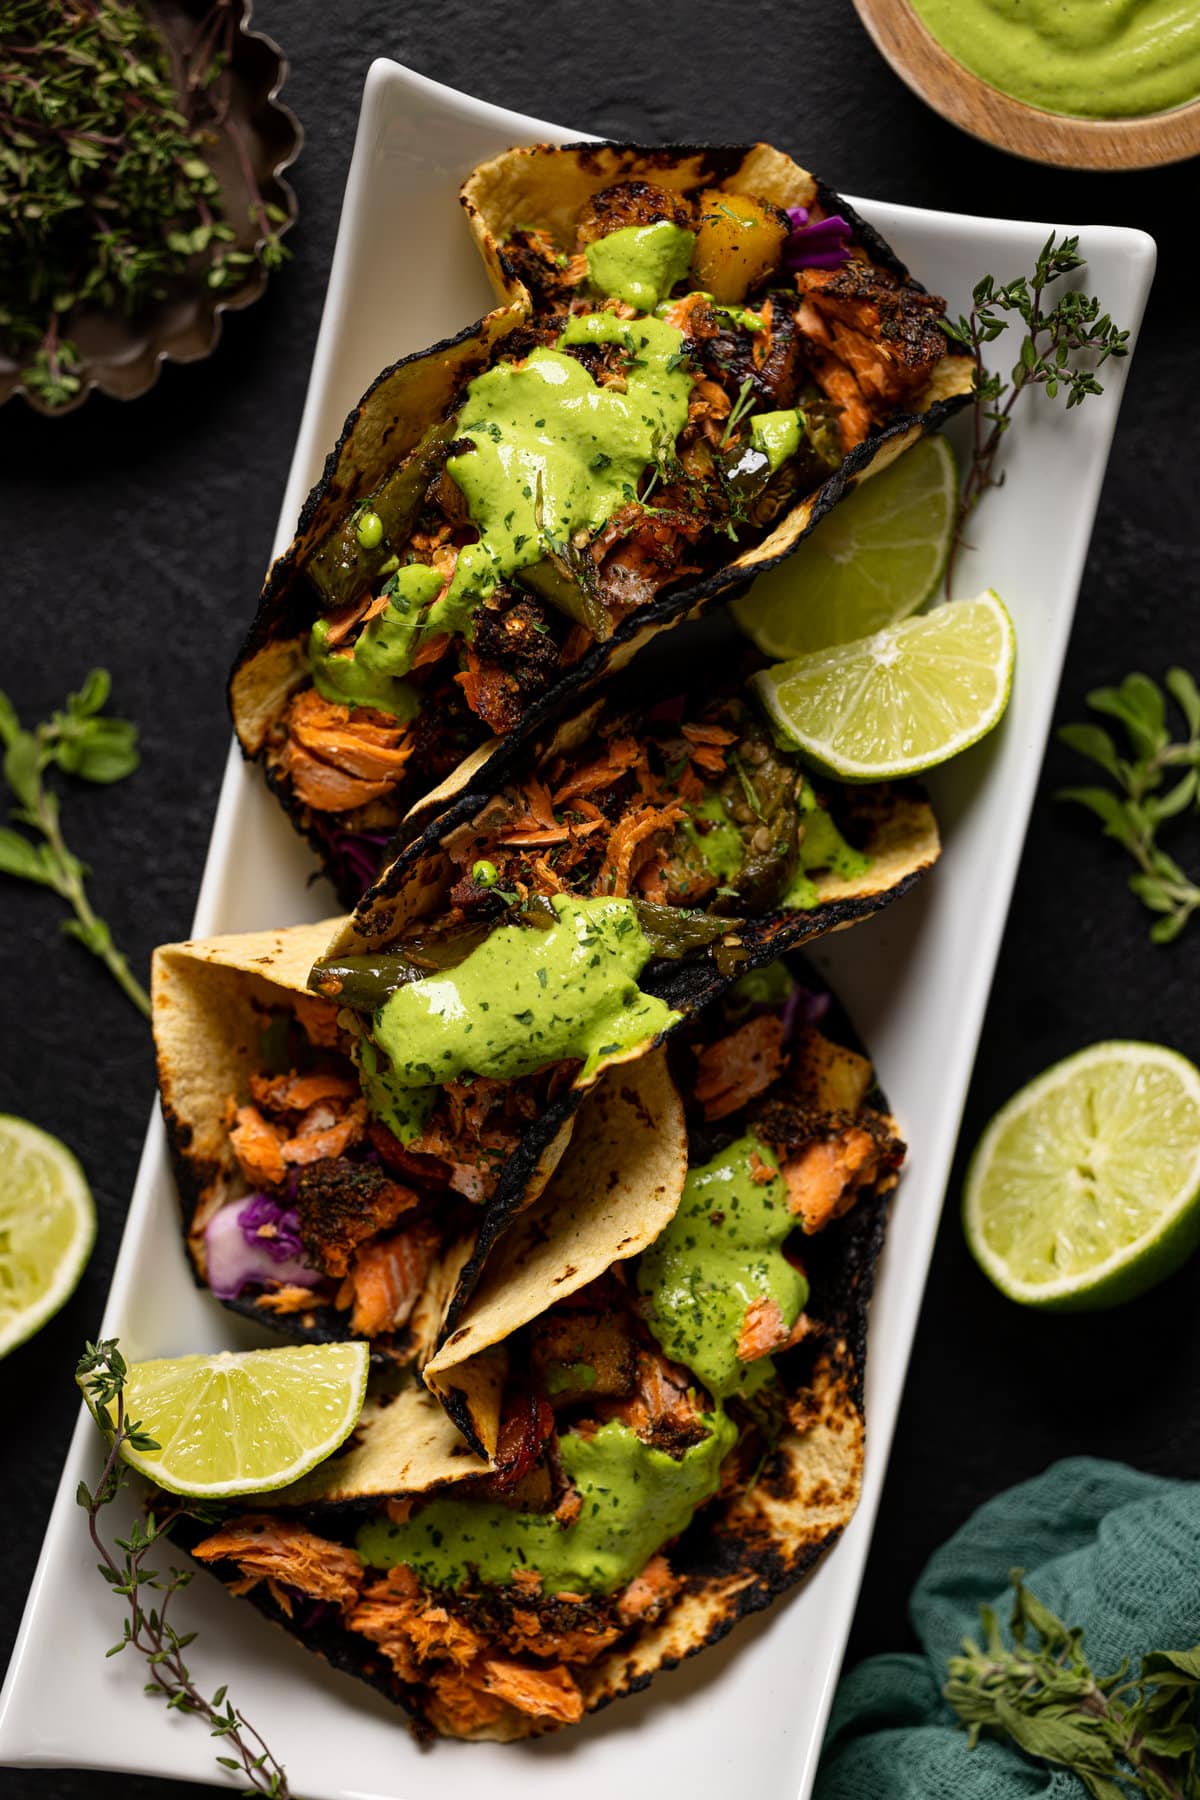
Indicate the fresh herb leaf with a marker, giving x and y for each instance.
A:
(741, 406)
(1055, 336)
(1158, 780)
(1115, 1733)
(83, 742)
(102, 1374)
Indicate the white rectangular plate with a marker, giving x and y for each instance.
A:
(748, 1715)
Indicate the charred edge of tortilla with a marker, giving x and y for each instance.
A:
(265, 627)
(675, 608)
(504, 1206)
(457, 1408)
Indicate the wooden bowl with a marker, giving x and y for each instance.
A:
(123, 356)
(958, 95)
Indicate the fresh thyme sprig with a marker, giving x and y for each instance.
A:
(741, 406)
(81, 742)
(1116, 1733)
(106, 189)
(1054, 336)
(102, 1373)
(1135, 812)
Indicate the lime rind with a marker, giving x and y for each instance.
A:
(835, 685)
(31, 1292)
(1144, 1154)
(249, 1422)
(872, 561)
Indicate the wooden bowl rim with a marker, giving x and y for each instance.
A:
(962, 97)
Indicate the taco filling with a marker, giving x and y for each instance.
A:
(691, 364)
(659, 1400)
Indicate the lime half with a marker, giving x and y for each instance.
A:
(869, 563)
(47, 1228)
(244, 1423)
(893, 704)
(1085, 1189)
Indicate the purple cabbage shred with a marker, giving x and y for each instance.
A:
(255, 1242)
(825, 245)
(802, 1008)
(361, 852)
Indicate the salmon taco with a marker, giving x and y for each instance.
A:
(681, 1431)
(303, 1209)
(698, 353)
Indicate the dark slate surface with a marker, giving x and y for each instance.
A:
(136, 536)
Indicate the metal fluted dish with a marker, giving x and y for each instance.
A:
(122, 355)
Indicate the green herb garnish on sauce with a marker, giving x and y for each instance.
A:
(721, 1252)
(527, 997)
(634, 1499)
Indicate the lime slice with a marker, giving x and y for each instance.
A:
(1085, 1189)
(47, 1228)
(913, 695)
(873, 560)
(244, 1423)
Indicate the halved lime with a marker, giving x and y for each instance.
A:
(893, 704)
(1085, 1189)
(873, 560)
(47, 1228)
(244, 1423)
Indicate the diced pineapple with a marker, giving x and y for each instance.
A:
(739, 240)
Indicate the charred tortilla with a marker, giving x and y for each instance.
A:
(396, 440)
(742, 1550)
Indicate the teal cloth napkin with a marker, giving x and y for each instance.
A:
(1105, 1547)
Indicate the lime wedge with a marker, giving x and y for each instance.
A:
(244, 1423)
(47, 1228)
(913, 695)
(1085, 1189)
(869, 563)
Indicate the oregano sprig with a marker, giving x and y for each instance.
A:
(1055, 335)
(1118, 1734)
(1143, 802)
(102, 1375)
(80, 740)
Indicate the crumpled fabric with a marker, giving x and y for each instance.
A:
(1104, 1546)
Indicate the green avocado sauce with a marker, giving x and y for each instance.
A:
(640, 264)
(634, 1499)
(555, 453)
(777, 435)
(769, 986)
(369, 674)
(527, 996)
(1094, 59)
(718, 844)
(822, 846)
(721, 1252)
(404, 1110)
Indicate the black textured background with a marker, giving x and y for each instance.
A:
(136, 537)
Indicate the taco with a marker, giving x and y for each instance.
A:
(681, 1435)
(303, 1210)
(699, 352)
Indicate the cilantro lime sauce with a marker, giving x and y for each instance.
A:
(769, 986)
(404, 1110)
(720, 1253)
(822, 846)
(634, 1499)
(527, 996)
(717, 841)
(369, 674)
(554, 453)
(777, 435)
(640, 264)
(1097, 59)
